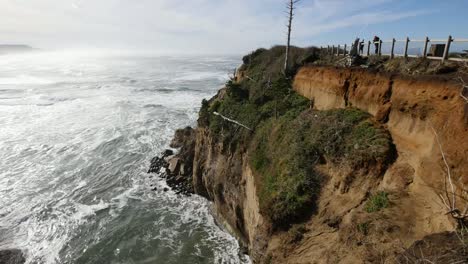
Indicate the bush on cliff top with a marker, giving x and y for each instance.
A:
(284, 152)
(238, 104)
(264, 91)
(288, 141)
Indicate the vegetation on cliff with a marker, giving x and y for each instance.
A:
(284, 153)
(289, 139)
(262, 93)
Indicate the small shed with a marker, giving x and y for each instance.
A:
(436, 50)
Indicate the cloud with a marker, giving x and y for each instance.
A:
(227, 26)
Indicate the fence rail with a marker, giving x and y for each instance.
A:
(442, 43)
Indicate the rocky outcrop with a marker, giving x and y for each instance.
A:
(177, 169)
(11, 256)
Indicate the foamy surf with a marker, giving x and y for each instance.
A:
(77, 137)
(24, 80)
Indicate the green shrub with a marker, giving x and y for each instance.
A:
(248, 58)
(288, 140)
(363, 228)
(284, 152)
(377, 202)
(204, 114)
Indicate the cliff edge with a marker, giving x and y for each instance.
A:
(333, 165)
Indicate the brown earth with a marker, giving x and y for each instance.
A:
(413, 110)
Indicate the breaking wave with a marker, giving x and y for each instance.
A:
(76, 140)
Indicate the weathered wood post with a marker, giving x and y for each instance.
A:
(380, 47)
(345, 46)
(426, 42)
(406, 46)
(339, 47)
(447, 49)
(368, 48)
(328, 49)
(333, 50)
(392, 53)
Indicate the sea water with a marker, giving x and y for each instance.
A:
(77, 133)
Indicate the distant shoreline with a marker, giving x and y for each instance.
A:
(15, 48)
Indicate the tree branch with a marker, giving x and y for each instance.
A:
(232, 121)
(449, 174)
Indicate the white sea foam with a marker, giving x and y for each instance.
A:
(197, 76)
(74, 147)
(24, 79)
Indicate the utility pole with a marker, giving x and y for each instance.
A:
(291, 5)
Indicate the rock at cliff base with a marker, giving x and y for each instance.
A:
(182, 137)
(11, 256)
(159, 162)
(168, 152)
(174, 165)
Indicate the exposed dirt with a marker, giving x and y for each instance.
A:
(446, 247)
(413, 109)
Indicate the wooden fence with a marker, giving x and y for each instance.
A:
(366, 51)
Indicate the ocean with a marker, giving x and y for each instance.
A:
(77, 133)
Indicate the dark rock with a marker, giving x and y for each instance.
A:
(182, 137)
(166, 189)
(179, 167)
(174, 166)
(168, 152)
(159, 162)
(11, 256)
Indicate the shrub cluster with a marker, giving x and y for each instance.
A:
(377, 202)
(288, 140)
(284, 152)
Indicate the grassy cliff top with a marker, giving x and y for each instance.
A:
(288, 138)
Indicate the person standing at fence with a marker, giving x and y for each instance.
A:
(361, 47)
(377, 44)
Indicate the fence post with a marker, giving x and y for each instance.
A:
(447, 49)
(368, 48)
(406, 47)
(328, 49)
(380, 47)
(392, 53)
(339, 46)
(345, 46)
(426, 41)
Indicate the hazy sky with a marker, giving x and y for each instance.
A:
(220, 26)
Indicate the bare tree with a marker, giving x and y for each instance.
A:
(291, 5)
(449, 194)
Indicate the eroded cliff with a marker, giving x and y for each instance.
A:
(315, 184)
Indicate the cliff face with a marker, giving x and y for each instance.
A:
(363, 214)
(413, 110)
(225, 178)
